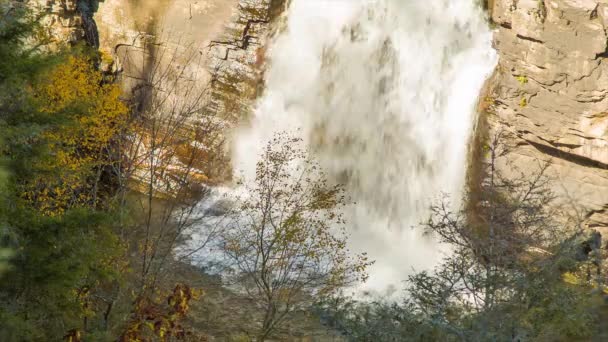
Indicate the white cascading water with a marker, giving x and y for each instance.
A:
(383, 91)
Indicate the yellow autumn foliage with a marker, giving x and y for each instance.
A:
(78, 83)
(88, 115)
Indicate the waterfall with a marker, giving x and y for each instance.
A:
(383, 92)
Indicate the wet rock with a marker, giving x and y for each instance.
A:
(219, 208)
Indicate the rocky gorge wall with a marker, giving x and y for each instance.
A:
(69, 21)
(549, 93)
(219, 42)
(231, 34)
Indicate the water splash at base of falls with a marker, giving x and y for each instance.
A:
(383, 91)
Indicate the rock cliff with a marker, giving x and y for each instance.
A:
(237, 58)
(230, 34)
(550, 94)
(69, 21)
(549, 91)
(219, 45)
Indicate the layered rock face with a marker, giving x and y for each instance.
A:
(550, 93)
(237, 58)
(229, 34)
(69, 21)
(214, 47)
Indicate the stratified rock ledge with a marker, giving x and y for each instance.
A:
(549, 92)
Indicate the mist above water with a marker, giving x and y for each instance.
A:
(383, 92)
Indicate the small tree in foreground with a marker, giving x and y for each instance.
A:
(511, 251)
(515, 273)
(287, 238)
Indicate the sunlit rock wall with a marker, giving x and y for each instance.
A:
(237, 57)
(67, 21)
(550, 93)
